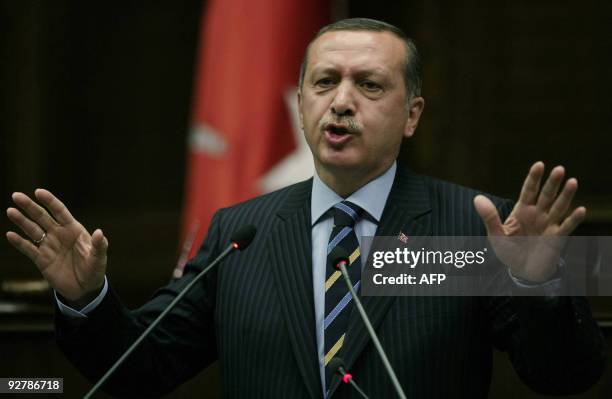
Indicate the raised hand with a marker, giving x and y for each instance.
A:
(69, 258)
(532, 237)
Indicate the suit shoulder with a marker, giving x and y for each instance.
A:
(263, 206)
(450, 200)
(453, 192)
(453, 211)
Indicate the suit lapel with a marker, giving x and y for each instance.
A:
(290, 252)
(407, 211)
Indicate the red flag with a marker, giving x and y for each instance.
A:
(250, 53)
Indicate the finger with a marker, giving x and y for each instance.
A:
(489, 215)
(34, 211)
(562, 203)
(550, 188)
(30, 228)
(24, 246)
(531, 186)
(99, 244)
(572, 221)
(59, 211)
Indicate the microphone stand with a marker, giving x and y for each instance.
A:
(342, 266)
(233, 246)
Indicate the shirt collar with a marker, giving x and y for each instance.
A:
(371, 198)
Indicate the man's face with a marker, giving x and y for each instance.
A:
(353, 105)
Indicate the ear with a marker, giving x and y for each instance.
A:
(299, 100)
(415, 108)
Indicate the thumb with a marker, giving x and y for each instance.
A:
(99, 244)
(489, 215)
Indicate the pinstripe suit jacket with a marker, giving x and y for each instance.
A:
(255, 314)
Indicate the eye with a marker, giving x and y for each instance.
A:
(371, 86)
(324, 83)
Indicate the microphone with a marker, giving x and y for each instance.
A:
(340, 258)
(337, 364)
(239, 240)
(243, 236)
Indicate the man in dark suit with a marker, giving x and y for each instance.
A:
(274, 314)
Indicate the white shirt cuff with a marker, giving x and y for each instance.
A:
(550, 288)
(71, 312)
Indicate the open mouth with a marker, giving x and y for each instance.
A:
(337, 130)
(337, 135)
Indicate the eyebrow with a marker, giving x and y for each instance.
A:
(324, 70)
(377, 72)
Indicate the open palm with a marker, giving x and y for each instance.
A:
(531, 238)
(69, 258)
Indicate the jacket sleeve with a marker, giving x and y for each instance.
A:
(554, 344)
(176, 350)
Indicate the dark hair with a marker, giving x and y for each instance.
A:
(412, 63)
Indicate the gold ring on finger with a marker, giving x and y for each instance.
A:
(37, 242)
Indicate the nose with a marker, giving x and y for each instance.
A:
(343, 103)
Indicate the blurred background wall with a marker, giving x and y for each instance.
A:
(95, 105)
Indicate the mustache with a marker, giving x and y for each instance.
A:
(351, 124)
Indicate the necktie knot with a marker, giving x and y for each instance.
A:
(346, 213)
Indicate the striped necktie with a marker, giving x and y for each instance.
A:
(338, 301)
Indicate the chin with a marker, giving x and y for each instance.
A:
(340, 162)
(344, 169)
(340, 157)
